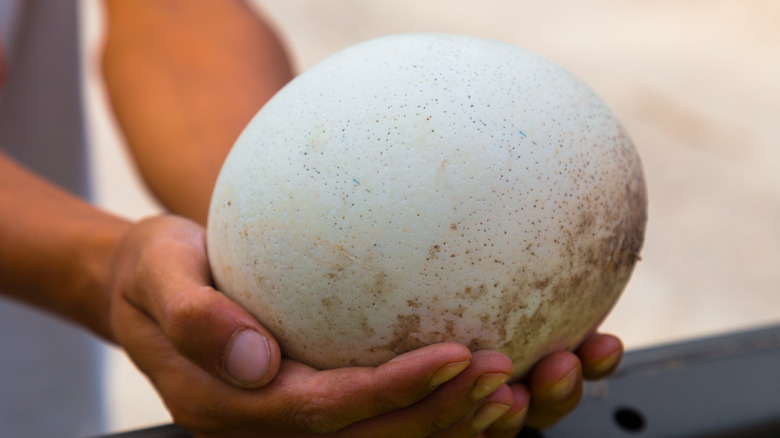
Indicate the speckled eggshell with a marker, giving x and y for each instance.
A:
(421, 188)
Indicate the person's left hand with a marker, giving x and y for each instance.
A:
(554, 386)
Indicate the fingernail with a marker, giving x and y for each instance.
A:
(606, 365)
(514, 421)
(448, 372)
(488, 415)
(487, 384)
(564, 387)
(248, 356)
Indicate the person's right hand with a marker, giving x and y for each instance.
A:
(200, 350)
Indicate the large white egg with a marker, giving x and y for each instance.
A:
(421, 188)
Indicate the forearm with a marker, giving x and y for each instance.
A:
(184, 78)
(55, 249)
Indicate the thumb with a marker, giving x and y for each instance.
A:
(167, 277)
(222, 338)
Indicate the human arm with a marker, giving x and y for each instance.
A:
(184, 78)
(55, 250)
(61, 254)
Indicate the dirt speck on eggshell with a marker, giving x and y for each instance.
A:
(423, 188)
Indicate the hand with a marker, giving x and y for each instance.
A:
(554, 386)
(190, 340)
(195, 345)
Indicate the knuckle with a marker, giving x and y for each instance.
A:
(186, 316)
(316, 415)
(179, 314)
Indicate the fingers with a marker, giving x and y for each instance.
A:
(510, 424)
(494, 408)
(556, 388)
(463, 406)
(170, 282)
(219, 336)
(197, 401)
(410, 396)
(188, 391)
(399, 398)
(556, 383)
(340, 397)
(600, 356)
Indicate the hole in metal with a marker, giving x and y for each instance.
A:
(630, 419)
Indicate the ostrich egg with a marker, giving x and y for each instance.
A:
(421, 188)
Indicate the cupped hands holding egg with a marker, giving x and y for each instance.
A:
(422, 188)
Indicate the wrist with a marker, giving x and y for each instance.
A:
(95, 289)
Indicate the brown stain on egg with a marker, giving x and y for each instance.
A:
(405, 335)
(433, 251)
(473, 293)
(336, 272)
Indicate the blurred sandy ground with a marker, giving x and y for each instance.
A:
(696, 82)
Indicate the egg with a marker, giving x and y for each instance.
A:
(423, 188)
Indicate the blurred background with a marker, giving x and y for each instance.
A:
(696, 82)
